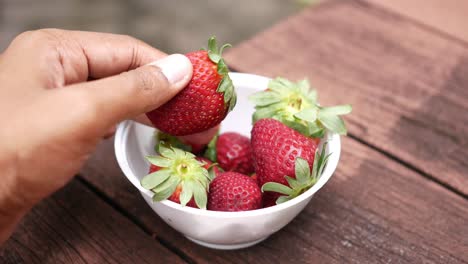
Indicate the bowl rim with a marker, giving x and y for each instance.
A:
(244, 79)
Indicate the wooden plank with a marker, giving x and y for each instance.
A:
(75, 226)
(373, 210)
(407, 84)
(450, 16)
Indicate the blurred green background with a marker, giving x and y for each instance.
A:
(170, 25)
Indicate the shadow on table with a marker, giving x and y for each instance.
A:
(440, 126)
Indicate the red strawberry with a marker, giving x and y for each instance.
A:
(288, 119)
(232, 191)
(232, 152)
(206, 100)
(178, 176)
(175, 196)
(275, 149)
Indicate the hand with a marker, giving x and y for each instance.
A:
(60, 94)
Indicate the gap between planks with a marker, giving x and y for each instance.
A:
(437, 31)
(134, 220)
(408, 165)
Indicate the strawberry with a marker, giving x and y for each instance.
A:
(232, 191)
(275, 148)
(304, 179)
(288, 122)
(232, 152)
(204, 102)
(178, 176)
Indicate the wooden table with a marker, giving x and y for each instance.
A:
(399, 194)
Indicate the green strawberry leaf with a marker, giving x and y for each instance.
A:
(186, 194)
(322, 159)
(159, 161)
(264, 98)
(214, 57)
(267, 112)
(222, 68)
(335, 110)
(233, 101)
(210, 152)
(282, 199)
(280, 84)
(154, 179)
(320, 133)
(276, 187)
(293, 183)
(166, 152)
(305, 89)
(228, 92)
(165, 190)
(302, 170)
(170, 141)
(226, 85)
(200, 195)
(309, 115)
(212, 46)
(227, 45)
(333, 123)
(315, 165)
(211, 172)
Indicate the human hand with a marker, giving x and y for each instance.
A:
(61, 92)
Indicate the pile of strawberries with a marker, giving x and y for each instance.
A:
(280, 161)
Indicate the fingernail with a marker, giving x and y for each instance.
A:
(176, 67)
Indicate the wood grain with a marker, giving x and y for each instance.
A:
(373, 210)
(450, 16)
(75, 226)
(407, 84)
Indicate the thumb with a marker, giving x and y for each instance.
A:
(131, 93)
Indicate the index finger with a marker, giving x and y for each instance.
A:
(75, 56)
(110, 54)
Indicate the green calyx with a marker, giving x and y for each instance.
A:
(225, 86)
(170, 141)
(178, 168)
(210, 152)
(305, 178)
(295, 105)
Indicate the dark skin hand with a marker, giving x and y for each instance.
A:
(54, 116)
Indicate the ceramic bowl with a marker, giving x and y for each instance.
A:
(220, 230)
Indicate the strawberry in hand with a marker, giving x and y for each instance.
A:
(204, 102)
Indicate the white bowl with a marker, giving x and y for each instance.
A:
(220, 230)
